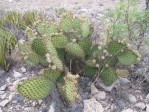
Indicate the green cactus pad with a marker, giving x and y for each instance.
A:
(115, 47)
(43, 61)
(74, 50)
(61, 53)
(85, 45)
(33, 58)
(51, 74)
(59, 41)
(36, 88)
(86, 30)
(44, 28)
(77, 23)
(53, 53)
(112, 61)
(38, 46)
(68, 88)
(122, 72)
(90, 71)
(66, 24)
(128, 58)
(108, 76)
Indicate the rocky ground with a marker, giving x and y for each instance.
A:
(127, 95)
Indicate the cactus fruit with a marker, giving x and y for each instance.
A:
(74, 50)
(51, 74)
(108, 76)
(59, 41)
(66, 24)
(128, 58)
(36, 88)
(68, 88)
(38, 46)
(85, 45)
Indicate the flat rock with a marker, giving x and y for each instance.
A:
(101, 95)
(147, 98)
(132, 98)
(127, 110)
(23, 69)
(17, 74)
(91, 105)
(4, 103)
(1, 110)
(140, 105)
(94, 90)
(2, 88)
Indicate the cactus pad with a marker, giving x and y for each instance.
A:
(36, 88)
(108, 76)
(128, 58)
(85, 45)
(68, 88)
(66, 24)
(51, 74)
(38, 47)
(90, 71)
(33, 58)
(74, 50)
(86, 30)
(115, 47)
(59, 41)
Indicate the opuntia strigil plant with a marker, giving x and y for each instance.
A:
(64, 49)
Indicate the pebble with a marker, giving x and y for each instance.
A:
(17, 74)
(101, 95)
(92, 105)
(147, 98)
(147, 108)
(3, 96)
(4, 103)
(1, 110)
(2, 92)
(140, 105)
(124, 81)
(23, 69)
(127, 110)
(94, 90)
(132, 98)
(2, 88)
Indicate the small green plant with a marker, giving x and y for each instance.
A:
(7, 43)
(65, 48)
(128, 22)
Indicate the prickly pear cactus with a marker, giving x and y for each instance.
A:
(66, 24)
(68, 88)
(74, 50)
(36, 88)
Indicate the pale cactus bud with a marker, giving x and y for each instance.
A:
(94, 61)
(122, 50)
(49, 66)
(74, 40)
(139, 59)
(49, 60)
(104, 51)
(97, 65)
(99, 47)
(47, 55)
(102, 57)
(53, 67)
(132, 66)
(106, 65)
